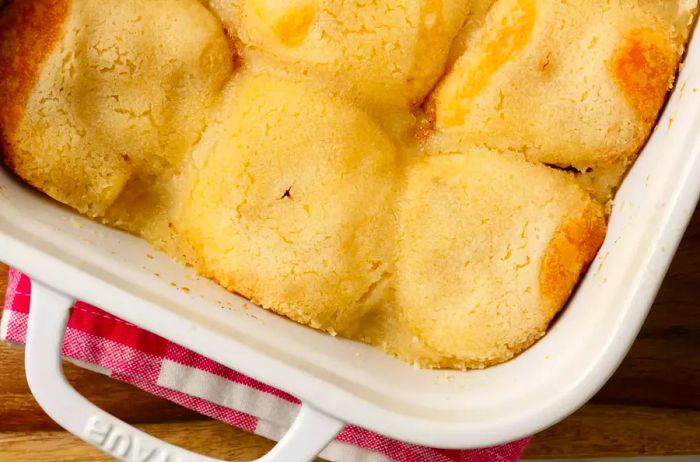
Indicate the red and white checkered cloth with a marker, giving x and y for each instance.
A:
(102, 342)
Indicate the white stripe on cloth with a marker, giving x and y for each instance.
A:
(110, 355)
(336, 451)
(89, 366)
(275, 415)
(218, 390)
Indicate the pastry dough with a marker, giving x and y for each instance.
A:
(429, 176)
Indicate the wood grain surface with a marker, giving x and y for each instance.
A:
(651, 406)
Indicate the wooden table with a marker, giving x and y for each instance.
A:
(651, 406)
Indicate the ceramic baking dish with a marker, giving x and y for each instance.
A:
(340, 381)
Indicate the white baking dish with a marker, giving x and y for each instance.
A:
(346, 382)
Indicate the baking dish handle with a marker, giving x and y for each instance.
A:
(48, 315)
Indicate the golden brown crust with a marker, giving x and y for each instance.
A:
(643, 68)
(29, 29)
(507, 37)
(570, 251)
(451, 248)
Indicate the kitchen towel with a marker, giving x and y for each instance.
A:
(130, 354)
